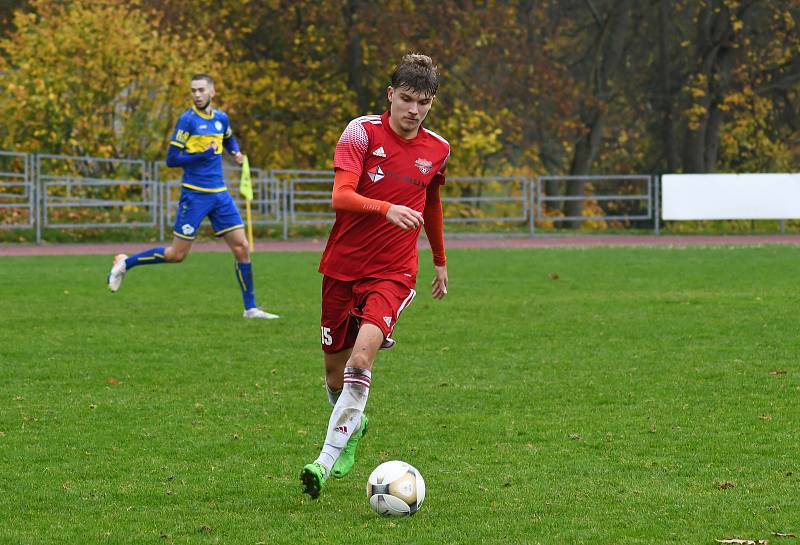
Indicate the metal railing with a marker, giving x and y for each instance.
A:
(306, 197)
(488, 199)
(17, 191)
(635, 204)
(113, 192)
(42, 191)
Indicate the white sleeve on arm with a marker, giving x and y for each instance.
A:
(351, 150)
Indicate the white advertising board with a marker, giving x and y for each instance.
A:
(730, 196)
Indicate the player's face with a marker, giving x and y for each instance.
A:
(202, 93)
(408, 110)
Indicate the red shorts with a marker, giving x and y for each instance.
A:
(345, 304)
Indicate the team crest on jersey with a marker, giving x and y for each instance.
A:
(423, 165)
(187, 229)
(375, 174)
(218, 125)
(379, 152)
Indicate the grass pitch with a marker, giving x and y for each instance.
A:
(605, 395)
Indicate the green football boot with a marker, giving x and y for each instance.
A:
(347, 459)
(313, 478)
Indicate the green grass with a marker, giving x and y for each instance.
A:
(605, 395)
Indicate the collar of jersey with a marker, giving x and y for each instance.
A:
(390, 130)
(201, 114)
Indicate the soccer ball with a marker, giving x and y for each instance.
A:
(395, 489)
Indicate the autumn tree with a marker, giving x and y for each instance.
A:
(74, 85)
(528, 87)
(727, 74)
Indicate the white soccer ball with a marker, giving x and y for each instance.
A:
(395, 489)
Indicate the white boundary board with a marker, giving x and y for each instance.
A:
(730, 196)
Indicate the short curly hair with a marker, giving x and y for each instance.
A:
(417, 73)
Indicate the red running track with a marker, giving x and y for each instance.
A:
(317, 245)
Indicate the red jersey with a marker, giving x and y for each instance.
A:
(390, 169)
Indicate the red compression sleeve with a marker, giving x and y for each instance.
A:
(434, 224)
(345, 198)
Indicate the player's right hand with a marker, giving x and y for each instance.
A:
(404, 217)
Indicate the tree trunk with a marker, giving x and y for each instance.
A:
(608, 53)
(355, 55)
(715, 52)
(585, 151)
(712, 138)
(666, 100)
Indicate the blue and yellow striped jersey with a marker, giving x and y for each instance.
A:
(194, 132)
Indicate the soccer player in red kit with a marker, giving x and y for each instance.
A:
(388, 169)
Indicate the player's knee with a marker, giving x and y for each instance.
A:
(242, 249)
(175, 256)
(360, 360)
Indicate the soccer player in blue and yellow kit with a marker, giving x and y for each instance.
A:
(196, 145)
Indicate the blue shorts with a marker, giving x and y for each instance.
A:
(196, 205)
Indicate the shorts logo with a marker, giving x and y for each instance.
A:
(375, 174)
(388, 320)
(424, 165)
(379, 152)
(218, 125)
(187, 229)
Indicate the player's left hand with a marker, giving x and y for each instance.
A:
(238, 157)
(439, 284)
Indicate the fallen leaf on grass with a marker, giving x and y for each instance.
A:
(777, 372)
(112, 380)
(744, 541)
(553, 276)
(765, 417)
(783, 535)
(724, 485)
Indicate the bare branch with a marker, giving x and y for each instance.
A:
(595, 14)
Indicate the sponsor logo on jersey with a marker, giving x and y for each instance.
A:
(388, 320)
(375, 174)
(187, 229)
(218, 125)
(424, 165)
(379, 152)
(202, 126)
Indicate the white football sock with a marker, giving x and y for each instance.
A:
(346, 415)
